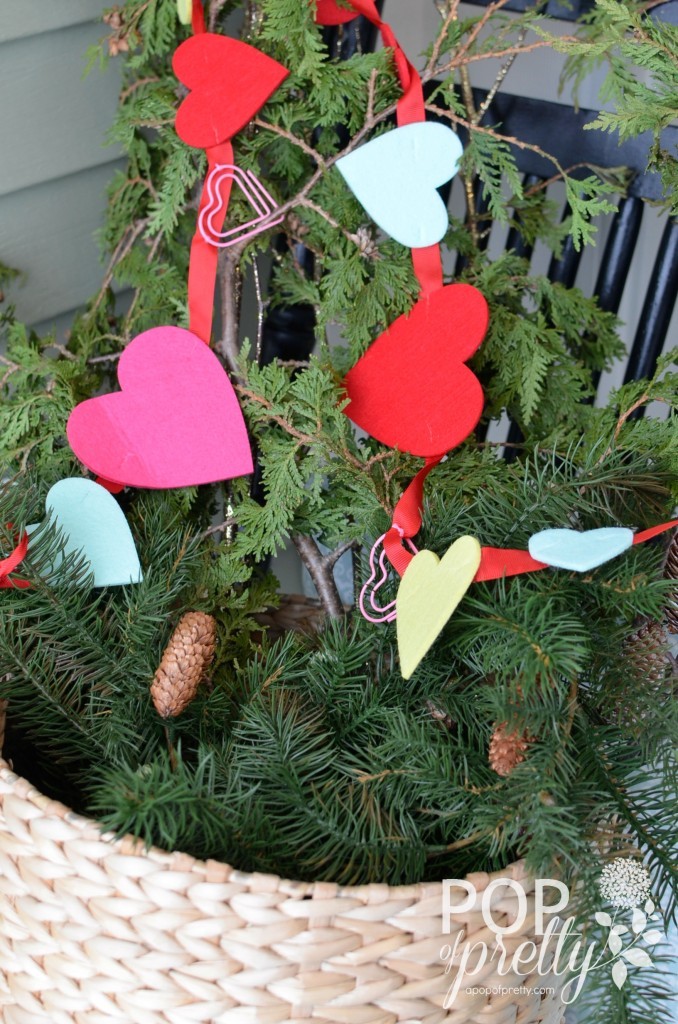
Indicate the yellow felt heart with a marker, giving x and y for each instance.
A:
(430, 590)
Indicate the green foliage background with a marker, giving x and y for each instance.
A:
(311, 757)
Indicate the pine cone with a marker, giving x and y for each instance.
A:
(507, 749)
(646, 650)
(671, 573)
(187, 657)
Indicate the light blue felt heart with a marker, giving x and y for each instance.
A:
(93, 524)
(395, 177)
(571, 549)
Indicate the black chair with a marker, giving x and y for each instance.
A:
(558, 130)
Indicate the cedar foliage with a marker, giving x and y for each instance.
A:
(311, 757)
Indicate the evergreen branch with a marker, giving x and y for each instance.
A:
(450, 17)
(625, 416)
(123, 248)
(480, 24)
(350, 235)
(296, 140)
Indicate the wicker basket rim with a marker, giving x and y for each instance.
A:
(217, 871)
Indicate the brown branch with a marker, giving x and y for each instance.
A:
(438, 44)
(228, 346)
(321, 573)
(332, 557)
(121, 250)
(489, 11)
(356, 239)
(371, 94)
(227, 524)
(215, 10)
(646, 397)
(126, 93)
(295, 139)
(499, 54)
(496, 85)
(149, 259)
(11, 368)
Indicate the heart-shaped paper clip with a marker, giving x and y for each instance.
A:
(386, 613)
(261, 201)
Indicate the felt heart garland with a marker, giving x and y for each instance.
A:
(93, 524)
(176, 422)
(412, 391)
(411, 161)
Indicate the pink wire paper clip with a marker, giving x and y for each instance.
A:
(387, 613)
(261, 201)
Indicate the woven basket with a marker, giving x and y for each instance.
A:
(96, 930)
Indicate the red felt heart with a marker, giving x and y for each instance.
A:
(328, 12)
(176, 422)
(229, 82)
(411, 389)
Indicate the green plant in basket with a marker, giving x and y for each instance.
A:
(512, 697)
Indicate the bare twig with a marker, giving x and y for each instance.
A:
(121, 250)
(295, 139)
(497, 84)
(644, 398)
(63, 351)
(321, 573)
(440, 39)
(149, 259)
(227, 524)
(261, 310)
(228, 346)
(11, 368)
(126, 93)
(356, 239)
(371, 94)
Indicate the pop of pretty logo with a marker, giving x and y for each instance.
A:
(562, 950)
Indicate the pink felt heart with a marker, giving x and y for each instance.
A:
(176, 422)
(229, 82)
(411, 389)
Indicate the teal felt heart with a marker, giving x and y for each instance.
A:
(571, 549)
(93, 524)
(395, 177)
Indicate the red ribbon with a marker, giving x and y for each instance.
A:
(407, 518)
(198, 17)
(202, 266)
(495, 563)
(428, 266)
(9, 564)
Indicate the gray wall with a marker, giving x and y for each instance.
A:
(54, 166)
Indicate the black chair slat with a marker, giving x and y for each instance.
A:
(564, 270)
(514, 436)
(657, 308)
(618, 254)
(559, 130)
(514, 239)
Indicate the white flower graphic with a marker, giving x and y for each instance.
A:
(625, 884)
